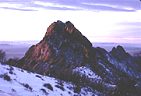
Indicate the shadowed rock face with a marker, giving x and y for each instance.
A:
(120, 53)
(62, 46)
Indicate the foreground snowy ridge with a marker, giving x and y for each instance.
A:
(18, 82)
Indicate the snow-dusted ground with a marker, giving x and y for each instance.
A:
(18, 82)
(85, 71)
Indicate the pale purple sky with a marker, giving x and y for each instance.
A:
(99, 20)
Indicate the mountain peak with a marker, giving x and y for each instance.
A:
(118, 49)
(62, 46)
(59, 26)
(119, 52)
(69, 27)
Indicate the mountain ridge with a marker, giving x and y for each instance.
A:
(66, 54)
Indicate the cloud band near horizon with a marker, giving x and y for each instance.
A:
(93, 5)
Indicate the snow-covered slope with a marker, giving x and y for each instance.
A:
(84, 71)
(18, 82)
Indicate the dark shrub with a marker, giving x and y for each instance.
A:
(27, 86)
(44, 91)
(48, 86)
(39, 77)
(60, 87)
(11, 70)
(6, 77)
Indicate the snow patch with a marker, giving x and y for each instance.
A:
(84, 71)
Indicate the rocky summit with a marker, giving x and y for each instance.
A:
(66, 54)
(63, 46)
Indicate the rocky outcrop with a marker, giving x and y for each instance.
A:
(119, 53)
(63, 46)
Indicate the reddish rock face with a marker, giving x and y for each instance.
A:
(63, 46)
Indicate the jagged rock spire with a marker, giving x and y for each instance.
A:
(63, 46)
